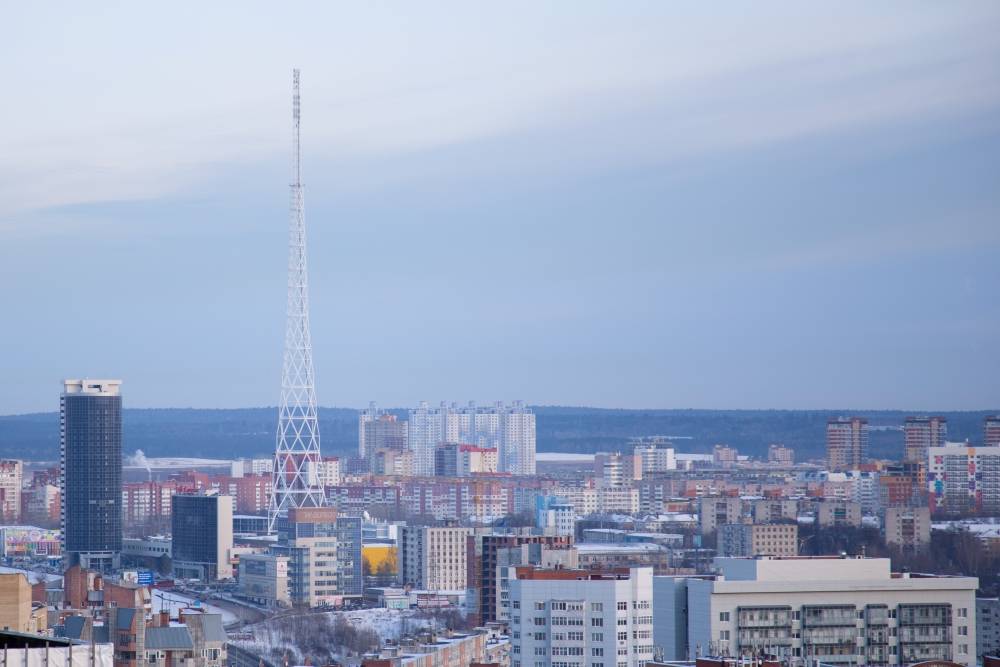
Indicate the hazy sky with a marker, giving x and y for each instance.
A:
(612, 204)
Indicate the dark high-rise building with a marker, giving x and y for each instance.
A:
(90, 430)
(202, 537)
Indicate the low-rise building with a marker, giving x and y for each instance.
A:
(907, 528)
(264, 579)
(717, 511)
(838, 513)
(603, 556)
(33, 649)
(751, 539)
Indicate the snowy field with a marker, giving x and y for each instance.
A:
(388, 623)
(175, 601)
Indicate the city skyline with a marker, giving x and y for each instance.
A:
(581, 210)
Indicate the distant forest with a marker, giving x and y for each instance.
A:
(249, 432)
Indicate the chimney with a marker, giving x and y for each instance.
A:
(164, 618)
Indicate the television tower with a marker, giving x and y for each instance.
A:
(297, 454)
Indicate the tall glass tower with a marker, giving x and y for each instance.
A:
(90, 428)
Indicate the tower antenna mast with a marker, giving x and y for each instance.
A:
(297, 453)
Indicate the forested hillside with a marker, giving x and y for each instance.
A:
(250, 431)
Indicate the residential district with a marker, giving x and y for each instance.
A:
(447, 541)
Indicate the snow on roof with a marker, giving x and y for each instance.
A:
(640, 547)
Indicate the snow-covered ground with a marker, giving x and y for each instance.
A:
(388, 623)
(167, 599)
(32, 576)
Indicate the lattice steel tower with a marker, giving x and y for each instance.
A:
(297, 454)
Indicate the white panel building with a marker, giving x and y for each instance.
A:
(838, 610)
(567, 618)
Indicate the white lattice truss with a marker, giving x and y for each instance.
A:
(297, 450)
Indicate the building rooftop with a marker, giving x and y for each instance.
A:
(169, 638)
(605, 547)
(562, 574)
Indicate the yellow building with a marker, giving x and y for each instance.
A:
(15, 603)
(380, 559)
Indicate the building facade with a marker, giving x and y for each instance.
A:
(846, 442)
(752, 539)
(264, 579)
(780, 455)
(850, 611)
(11, 474)
(599, 618)
(324, 556)
(922, 433)
(202, 537)
(434, 557)
(907, 528)
(964, 480)
(90, 427)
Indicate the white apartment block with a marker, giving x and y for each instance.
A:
(963, 479)
(581, 618)
(655, 458)
(424, 433)
(583, 499)
(510, 429)
(243, 467)
(11, 475)
(612, 500)
(838, 610)
(325, 472)
(434, 558)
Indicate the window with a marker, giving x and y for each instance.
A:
(517, 604)
(541, 650)
(724, 635)
(963, 630)
(597, 636)
(539, 636)
(539, 620)
(623, 636)
(597, 622)
(963, 648)
(575, 636)
(596, 606)
(623, 621)
(539, 606)
(623, 606)
(724, 616)
(597, 652)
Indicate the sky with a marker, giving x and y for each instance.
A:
(643, 204)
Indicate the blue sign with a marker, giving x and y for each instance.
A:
(145, 578)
